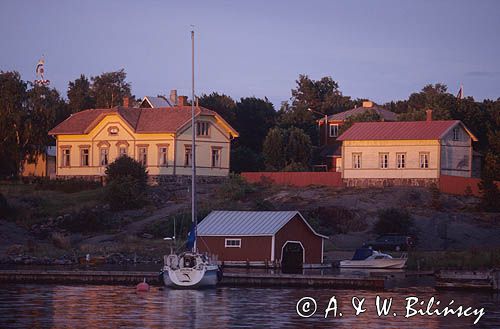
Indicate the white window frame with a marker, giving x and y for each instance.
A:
(456, 134)
(333, 132)
(424, 160)
(143, 156)
(163, 156)
(66, 157)
(217, 163)
(124, 148)
(202, 128)
(188, 160)
(104, 156)
(87, 156)
(383, 160)
(229, 245)
(357, 160)
(400, 160)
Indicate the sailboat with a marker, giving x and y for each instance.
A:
(190, 269)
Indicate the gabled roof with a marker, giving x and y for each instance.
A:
(156, 102)
(140, 120)
(401, 130)
(383, 113)
(247, 223)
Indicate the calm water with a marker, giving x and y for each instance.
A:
(61, 306)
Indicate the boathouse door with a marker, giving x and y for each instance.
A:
(292, 258)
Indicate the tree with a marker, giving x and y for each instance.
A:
(367, 116)
(12, 115)
(433, 97)
(298, 147)
(220, 103)
(109, 89)
(80, 95)
(245, 159)
(490, 194)
(274, 149)
(254, 117)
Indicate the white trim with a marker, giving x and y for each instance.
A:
(273, 247)
(231, 246)
(303, 250)
(305, 221)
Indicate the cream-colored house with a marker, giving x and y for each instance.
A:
(160, 138)
(406, 152)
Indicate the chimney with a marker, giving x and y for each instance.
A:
(429, 115)
(367, 104)
(173, 97)
(126, 101)
(182, 101)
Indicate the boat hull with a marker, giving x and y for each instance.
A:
(374, 263)
(191, 278)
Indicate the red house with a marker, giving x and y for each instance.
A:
(257, 238)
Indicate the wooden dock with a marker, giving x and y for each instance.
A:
(478, 280)
(229, 279)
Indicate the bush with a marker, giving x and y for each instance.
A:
(295, 166)
(125, 166)
(127, 181)
(87, 220)
(335, 220)
(4, 206)
(235, 188)
(435, 196)
(71, 185)
(125, 193)
(393, 220)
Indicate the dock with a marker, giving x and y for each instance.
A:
(229, 279)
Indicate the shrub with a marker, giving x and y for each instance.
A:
(435, 196)
(71, 185)
(125, 166)
(87, 220)
(165, 227)
(393, 220)
(235, 188)
(4, 206)
(335, 220)
(127, 180)
(295, 166)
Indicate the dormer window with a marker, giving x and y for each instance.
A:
(202, 128)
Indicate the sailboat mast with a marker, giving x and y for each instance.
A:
(193, 148)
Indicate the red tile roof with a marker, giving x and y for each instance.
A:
(141, 120)
(401, 130)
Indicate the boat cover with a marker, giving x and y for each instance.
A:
(362, 254)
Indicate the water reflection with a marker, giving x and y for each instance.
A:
(59, 306)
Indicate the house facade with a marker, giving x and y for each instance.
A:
(260, 237)
(405, 153)
(331, 147)
(160, 138)
(43, 165)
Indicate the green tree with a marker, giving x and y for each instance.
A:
(298, 147)
(80, 95)
(109, 89)
(274, 149)
(490, 194)
(220, 103)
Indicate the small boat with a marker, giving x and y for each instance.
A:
(189, 270)
(368, 258)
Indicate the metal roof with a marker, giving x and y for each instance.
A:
(385, 115)
(156, 102)
(246, 223)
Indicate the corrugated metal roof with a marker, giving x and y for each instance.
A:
(244, 223)
(386, 115)
(402, 130)
(157, 101)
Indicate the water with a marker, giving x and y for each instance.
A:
(89, 306)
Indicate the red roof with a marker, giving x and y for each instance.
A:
(400, 130)
(141, 120)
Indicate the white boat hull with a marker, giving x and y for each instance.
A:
(395, 263)
(191, 278)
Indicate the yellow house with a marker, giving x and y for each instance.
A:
(43, 165)
(160, 138)
(415, 153)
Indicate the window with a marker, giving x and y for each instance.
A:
(215, 157)
(384, 160)
(202, 128)
(122, 150)
(84, 157)
(113, 131)
(188, 156)
(356, 160)
(104, 152)
(163, 156)
(143, 155)
(334, 130)
(424, 160)
(66, 156)
(456, 134)
(401, 159)
(233, 243)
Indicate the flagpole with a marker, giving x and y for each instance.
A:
(193, 148)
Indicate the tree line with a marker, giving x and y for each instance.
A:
(270, 139)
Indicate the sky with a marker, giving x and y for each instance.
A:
(381, 50)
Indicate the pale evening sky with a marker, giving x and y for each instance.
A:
(382, 50)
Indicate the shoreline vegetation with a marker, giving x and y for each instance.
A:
(56, 224)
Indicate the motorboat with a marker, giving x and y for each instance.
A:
(189, 270)
(369, 258)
